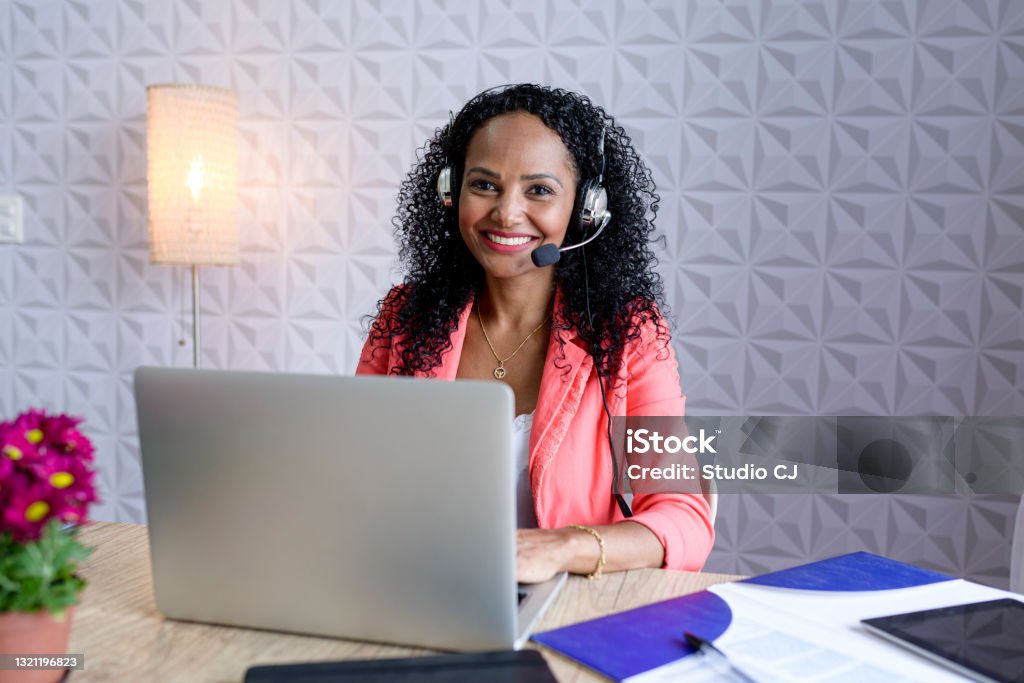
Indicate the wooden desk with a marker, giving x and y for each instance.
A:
(124, 638)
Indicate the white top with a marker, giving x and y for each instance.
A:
(526, 516)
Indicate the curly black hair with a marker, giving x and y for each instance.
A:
(441, 275)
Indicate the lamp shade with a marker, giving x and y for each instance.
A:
(192, 176)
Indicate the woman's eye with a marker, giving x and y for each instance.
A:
(541, 190)
(483, 185)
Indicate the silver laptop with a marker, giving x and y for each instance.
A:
(374, 508)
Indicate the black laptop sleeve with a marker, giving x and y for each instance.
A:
(524, 666)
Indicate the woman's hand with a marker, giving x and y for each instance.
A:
(541, 553)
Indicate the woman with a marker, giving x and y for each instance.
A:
(575, 342)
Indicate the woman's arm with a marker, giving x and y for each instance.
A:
(542, 553)
(669, 530)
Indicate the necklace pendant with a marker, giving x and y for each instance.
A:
(499, 372)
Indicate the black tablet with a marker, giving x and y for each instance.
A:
(982, 640)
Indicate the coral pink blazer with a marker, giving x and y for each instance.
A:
(570, 463)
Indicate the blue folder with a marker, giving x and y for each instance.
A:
(638, 640)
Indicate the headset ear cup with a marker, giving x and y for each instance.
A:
(594, 207)
(445, 182)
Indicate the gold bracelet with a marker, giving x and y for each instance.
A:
(600, 542)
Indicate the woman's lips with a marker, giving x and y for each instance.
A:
(508, 242)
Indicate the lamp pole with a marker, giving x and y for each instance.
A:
(195, 315)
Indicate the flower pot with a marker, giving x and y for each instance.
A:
(33, 633)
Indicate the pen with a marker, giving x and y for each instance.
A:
(716, 657)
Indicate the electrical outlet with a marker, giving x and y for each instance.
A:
(10, 219)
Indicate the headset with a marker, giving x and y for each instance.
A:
(594, 215)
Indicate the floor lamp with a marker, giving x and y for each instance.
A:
(192, 154)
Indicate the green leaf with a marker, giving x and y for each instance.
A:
(41, 574)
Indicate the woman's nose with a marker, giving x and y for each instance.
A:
(507, 211)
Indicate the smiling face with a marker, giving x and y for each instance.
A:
(517, 193)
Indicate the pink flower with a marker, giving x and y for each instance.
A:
(26, 512)
(67, 475)
(30, 424)
(45, 472)
(74, 487)
(61, 434)
(15, 446)
(72, 511)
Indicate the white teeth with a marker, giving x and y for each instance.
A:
(508, 241)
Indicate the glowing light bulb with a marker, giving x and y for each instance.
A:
(196, 177)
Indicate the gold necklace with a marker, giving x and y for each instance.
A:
(499, 372)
